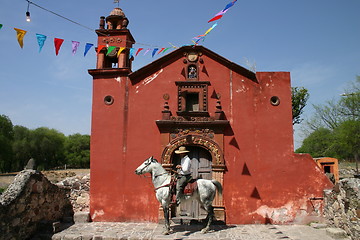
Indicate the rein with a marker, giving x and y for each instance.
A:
(172, 182)
(166, 185)
(160, 174)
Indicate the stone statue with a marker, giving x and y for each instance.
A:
(192, 72)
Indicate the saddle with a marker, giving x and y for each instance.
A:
(190, 187)
(188, 190)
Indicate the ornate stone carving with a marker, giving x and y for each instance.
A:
(192, 119)
(205, 142)
(192, 131)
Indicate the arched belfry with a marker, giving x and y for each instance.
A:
(114, 42)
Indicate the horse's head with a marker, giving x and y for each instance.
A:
(145, 167)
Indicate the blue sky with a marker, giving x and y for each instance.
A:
(318, 41)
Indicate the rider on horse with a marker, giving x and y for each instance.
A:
(184, 173)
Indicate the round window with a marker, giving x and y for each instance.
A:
(108, 100)
(275, 101)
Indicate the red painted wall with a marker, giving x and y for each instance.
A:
(264, 182)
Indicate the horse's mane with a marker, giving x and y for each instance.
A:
(160, 166)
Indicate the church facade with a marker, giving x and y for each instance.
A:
(237, 125)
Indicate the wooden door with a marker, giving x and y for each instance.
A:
(200, 168)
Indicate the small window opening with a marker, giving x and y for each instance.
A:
(192, 72)
(327, 169)
(192, 102)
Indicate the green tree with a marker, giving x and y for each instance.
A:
(348, 137)
(6, 138)
(47, 147)
(21, 147)
(335, 126)
(318, 144)
(300, 96)
(77, 150)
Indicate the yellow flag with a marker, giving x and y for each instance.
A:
(20, 36)
(208, 31)
(120, 50)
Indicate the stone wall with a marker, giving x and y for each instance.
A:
(342, 206)
(29, 202)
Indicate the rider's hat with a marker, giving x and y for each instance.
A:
(181, 150)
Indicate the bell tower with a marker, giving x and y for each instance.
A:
(109, 111)
(114, 41)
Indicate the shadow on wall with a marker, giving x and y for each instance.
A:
(32, 202)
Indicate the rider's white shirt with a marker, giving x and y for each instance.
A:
(185, 165)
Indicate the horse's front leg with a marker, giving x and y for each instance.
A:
(167, 219)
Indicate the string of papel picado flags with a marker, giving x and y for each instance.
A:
(20, 34)
(133, 52)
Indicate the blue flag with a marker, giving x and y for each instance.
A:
(154, 51)
(229, 5)
(41, 40)
(87, 48)
(131, 53)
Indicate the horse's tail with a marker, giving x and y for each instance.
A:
(218, 186)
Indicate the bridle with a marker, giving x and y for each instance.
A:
(149, 161)
(146, 165)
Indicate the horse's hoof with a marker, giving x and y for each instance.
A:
(205, 230)
(166, 232)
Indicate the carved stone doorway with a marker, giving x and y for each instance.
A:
(205, 148)
(201, 167)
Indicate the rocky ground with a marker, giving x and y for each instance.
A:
(78, 180)
(79, 186)
(54, 176)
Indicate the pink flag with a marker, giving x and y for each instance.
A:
(147, 50)
(222, 12)
(75, 46)
(58, 42)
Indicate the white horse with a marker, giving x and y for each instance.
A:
(205, 192)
